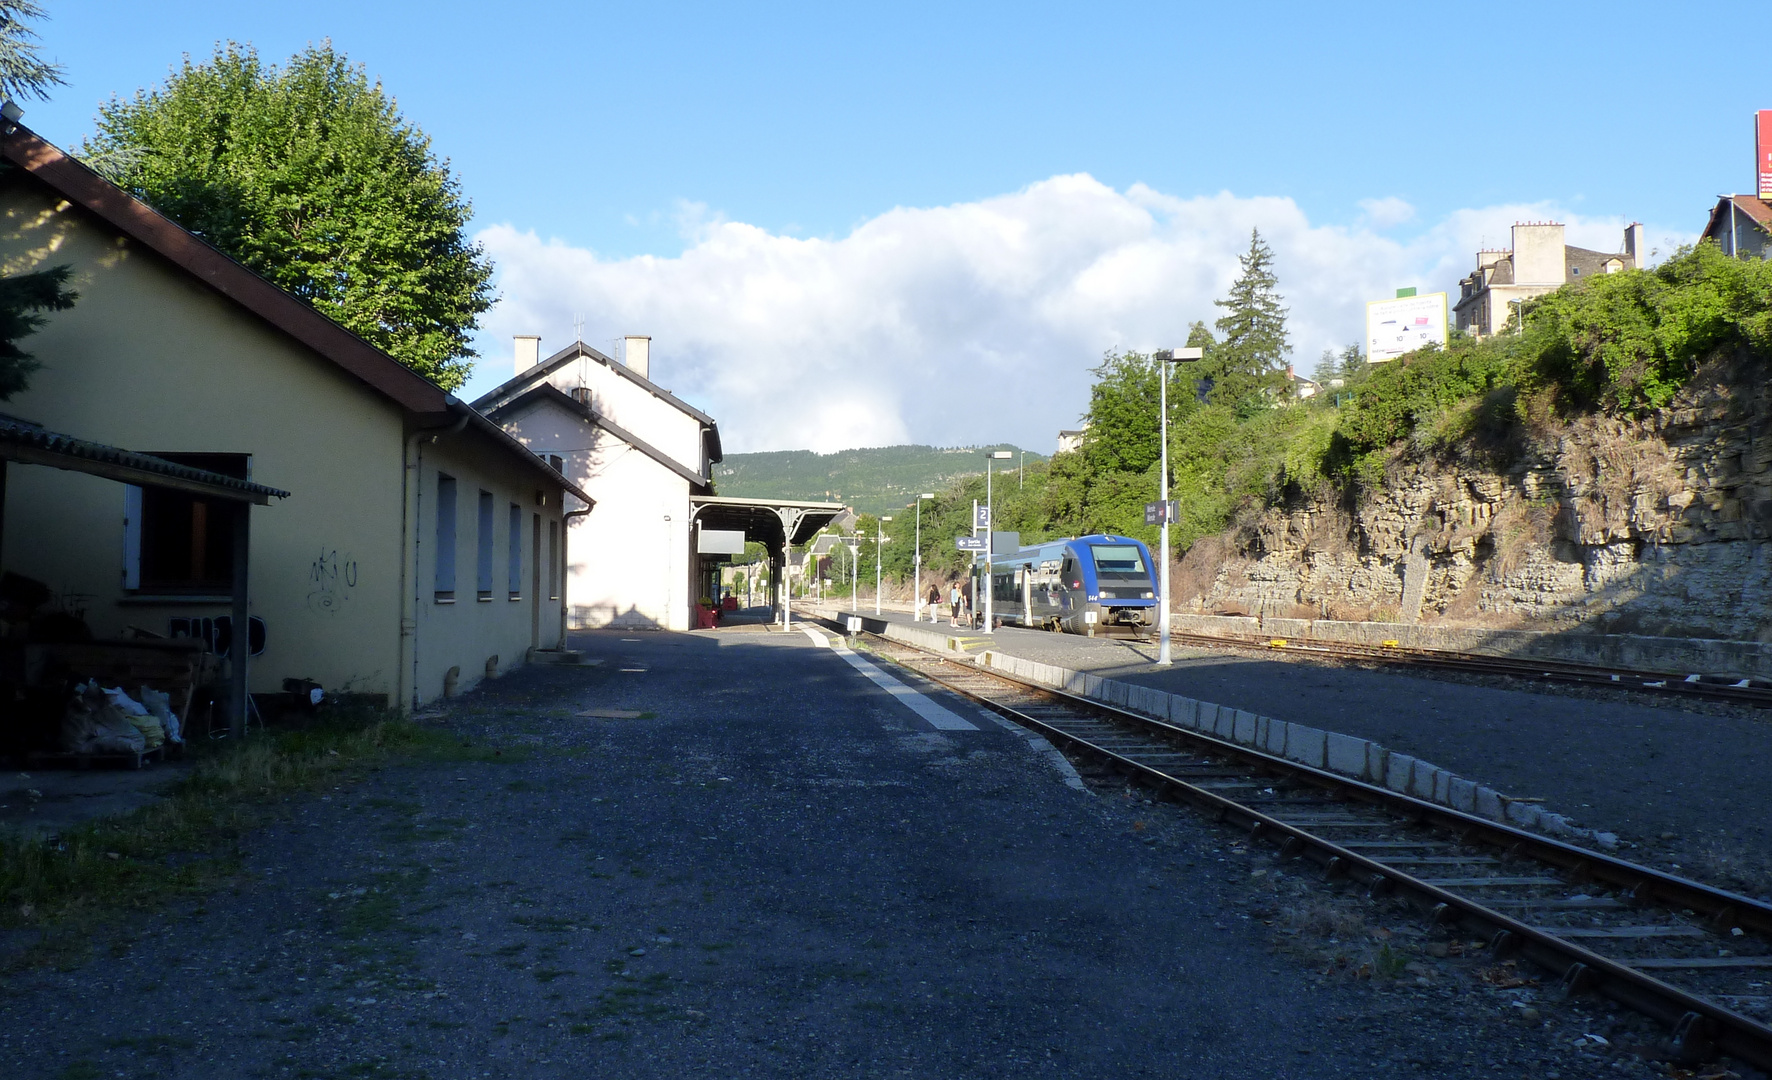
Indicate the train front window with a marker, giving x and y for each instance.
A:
(1118, 560)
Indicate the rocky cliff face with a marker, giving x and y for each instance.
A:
(1651, 526)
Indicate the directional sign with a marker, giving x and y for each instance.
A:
(969, 543)
(981, 518)
(1156, 513)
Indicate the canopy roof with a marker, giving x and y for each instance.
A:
(32, 444)
(775, 523)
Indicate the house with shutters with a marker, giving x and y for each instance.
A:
(420, 548)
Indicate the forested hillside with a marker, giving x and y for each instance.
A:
(874, 480)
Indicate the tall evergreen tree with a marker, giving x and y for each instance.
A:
(309, 175)
(1250, 362)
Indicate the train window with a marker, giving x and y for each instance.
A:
(1118, 559)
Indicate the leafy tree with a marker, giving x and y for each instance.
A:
(22, 72)
(1250, 362)
(309, 175)
(23, 297)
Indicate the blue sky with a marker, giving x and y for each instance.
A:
(608, 146)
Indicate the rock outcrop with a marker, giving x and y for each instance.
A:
(1657, 525)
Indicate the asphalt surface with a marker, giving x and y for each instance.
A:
(776, 868)
(1684, 789)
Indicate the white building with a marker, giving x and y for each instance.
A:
(641, 453)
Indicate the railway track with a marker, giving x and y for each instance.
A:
(1710, 688)
(1696, 958)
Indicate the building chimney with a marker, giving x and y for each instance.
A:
(1539, 253)
(1636, 245)
(636, 353)
(528, 352)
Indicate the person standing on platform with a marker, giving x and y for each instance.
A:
(934, 601)
(954, 604)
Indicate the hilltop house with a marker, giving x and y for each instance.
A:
(1741, 225)
(419, 546)
(1539, 262)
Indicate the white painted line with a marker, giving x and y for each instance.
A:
(939, 718)
(1040, 745)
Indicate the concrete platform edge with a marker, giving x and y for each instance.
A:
(1329, 750)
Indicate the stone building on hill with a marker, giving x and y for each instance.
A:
(1539, 262)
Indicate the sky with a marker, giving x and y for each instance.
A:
(849, 225)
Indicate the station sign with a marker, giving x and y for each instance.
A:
(1158, 513)
(981, 517)
(969, 543)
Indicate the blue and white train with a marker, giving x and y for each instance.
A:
(1070, 585)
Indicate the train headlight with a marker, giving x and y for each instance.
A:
(1149, 595)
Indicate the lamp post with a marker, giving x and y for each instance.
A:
(879, 557)
(990, 545)
(854, 577)
(1164, 358)
(917, 563)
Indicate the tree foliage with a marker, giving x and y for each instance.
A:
(23, 299)
(309, 175)
(23, 73)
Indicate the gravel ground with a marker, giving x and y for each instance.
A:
(1686, 790)
(776, 869)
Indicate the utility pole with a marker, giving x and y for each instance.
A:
(917, 564)
(990, 537)
(879, 558)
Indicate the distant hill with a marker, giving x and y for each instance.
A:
(873, 480)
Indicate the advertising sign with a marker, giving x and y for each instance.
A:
(1763, 153)
(1394, 327)
(719, 542)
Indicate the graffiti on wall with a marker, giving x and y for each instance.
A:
(331, 579)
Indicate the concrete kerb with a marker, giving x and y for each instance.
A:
(1330, 750)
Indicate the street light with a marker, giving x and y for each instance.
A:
(879, 558)
(917, 563)
(854, 577)
(1164, 358)
(990, 544)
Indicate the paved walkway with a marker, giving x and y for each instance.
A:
(1644, 772)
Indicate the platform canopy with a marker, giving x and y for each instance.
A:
(774, 523)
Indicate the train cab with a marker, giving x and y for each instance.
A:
(1074, 584)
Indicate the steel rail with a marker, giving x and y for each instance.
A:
(1526, 667)
(1699, 1024)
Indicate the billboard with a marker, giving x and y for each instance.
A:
(1394, 327)
(1763, 153)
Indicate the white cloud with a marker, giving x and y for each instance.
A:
(1386, 212)
(969, 323)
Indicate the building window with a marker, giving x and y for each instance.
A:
(555, 571)
(445, 539)
(180, 543)
(514, 567)
(483, 557)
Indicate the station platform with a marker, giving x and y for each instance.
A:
(1683, 790)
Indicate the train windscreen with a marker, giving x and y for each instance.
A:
(1119, 560)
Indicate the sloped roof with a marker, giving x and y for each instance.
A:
(1755, 208)
(510, 388)
(135, 219)
(548, 393)
(33, 444)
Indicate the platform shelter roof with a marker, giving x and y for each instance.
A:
(773, 523)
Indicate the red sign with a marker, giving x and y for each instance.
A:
(1763, 153)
